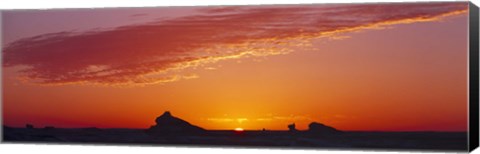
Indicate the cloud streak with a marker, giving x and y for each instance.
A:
(268, 118)
(158, 52)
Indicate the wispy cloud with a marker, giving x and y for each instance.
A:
(238, 120)
(267, 118)
(157, 52)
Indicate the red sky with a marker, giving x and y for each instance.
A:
(389, 67)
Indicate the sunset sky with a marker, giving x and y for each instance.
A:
(385, 66)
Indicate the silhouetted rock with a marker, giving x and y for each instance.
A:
(321, 129)
(7, 134)
(292, 128)
(49, 128)
(29, 126)
(6, 128)
(166, 124)
(91, 129)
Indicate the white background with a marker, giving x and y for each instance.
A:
(52, 149)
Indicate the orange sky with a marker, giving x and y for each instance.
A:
(353, 67)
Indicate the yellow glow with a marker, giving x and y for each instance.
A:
(239, 129)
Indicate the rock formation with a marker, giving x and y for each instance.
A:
(29, 126)
(166, 124)
(48, 128)
(6, 128)
(292, 128)
(321, 129)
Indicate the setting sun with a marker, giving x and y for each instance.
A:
(238, 129)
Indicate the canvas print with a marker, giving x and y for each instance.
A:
(337, 76)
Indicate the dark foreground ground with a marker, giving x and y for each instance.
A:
(430, 141)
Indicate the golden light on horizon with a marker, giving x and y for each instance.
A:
(239, 129)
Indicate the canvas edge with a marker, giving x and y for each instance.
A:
(473, 133)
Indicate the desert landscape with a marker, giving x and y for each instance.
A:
(171, 130)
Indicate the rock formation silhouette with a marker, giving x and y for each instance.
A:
(49, 128)
(6, 127)
(292, 128)
(29, 126)
(321, 129)
(166, 124)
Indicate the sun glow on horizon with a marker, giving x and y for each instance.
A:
(239, 129)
